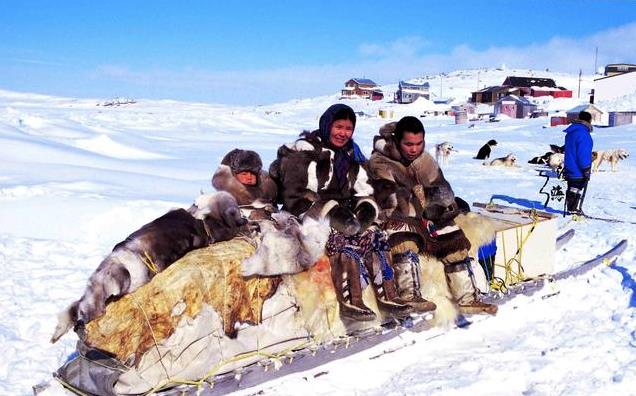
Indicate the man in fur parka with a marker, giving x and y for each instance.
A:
(323, 175)
(241, 174)
(418, 207)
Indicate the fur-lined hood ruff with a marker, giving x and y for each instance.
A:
(393, 178)
(264, 190)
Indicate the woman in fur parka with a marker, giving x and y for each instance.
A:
(323, 175)
(241, 174)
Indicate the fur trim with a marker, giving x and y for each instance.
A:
(326, 208)
(479, 229)
(264, 191)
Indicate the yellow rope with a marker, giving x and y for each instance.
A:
(149, 263)
(511, 275)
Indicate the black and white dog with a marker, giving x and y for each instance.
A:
(484, 151)
(151, 249)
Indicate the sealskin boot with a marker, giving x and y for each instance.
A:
(385, 291)
(463, 290)
(345, 275)
(407, 276)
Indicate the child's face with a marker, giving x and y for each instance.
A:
(246, 178)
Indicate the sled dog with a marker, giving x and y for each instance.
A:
(509, 160)
(555, 161)
(484, 151)
(287, 246)
(541, 160)
(443, 151)
(133, 262)
(611, 156)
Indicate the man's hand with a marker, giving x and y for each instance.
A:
(344, 221)
(587, 173)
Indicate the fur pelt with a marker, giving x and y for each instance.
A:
(261, 197)
(611, 156)
(287, 246)
(479, 230)
(393, 178)
(150, 250)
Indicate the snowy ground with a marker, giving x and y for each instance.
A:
(77, 178)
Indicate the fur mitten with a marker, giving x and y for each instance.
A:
(366, 215)
(343, 220)
(449, 244)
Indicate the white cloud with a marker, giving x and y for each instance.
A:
(384, 63)
(403, 47)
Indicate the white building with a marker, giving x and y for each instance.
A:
(612, 87)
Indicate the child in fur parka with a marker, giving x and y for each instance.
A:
(241, 174)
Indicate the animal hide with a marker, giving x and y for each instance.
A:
(209, 276)
(286, 246)
(150, 250)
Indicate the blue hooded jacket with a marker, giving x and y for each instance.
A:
(578, 149)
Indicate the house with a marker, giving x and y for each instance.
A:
(614, 86)
(467, 108)
(359, 87)
(515, 106)
(377, 94)
(492, 94)
(597, 114)
(535, 86)
(409, 93)
(617, 118)
(619, 68)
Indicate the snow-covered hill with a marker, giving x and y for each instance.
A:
(76, 178)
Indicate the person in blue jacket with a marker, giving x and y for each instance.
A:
(578, 161)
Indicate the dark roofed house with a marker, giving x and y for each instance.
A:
(536, 86)
(515, 106)
(359, 87)
(492, 94)
(614, 69)
(409, 93)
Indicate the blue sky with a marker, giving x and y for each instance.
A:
(248, 52)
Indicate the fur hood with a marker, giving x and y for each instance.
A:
(393, 178)
(264, 191)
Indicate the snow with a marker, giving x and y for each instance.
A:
(76, 178)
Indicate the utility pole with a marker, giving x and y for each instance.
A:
(580, 72)
(595, 60)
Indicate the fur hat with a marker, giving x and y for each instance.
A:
(243, 161)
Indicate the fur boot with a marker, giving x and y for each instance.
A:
(463, 289)
(384, 287)
(345, 274)
(407, 275)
